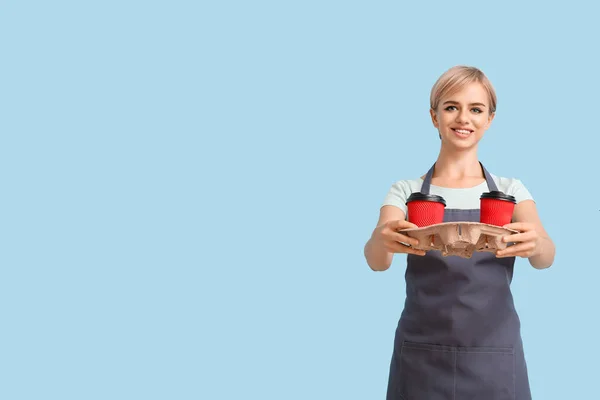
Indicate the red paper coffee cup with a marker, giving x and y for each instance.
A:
(496, 208)
(425, 209)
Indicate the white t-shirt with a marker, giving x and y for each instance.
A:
(456, 198)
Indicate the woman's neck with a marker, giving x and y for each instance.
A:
(457, 166)
(460, 170)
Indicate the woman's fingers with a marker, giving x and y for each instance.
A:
(520, 237)
(396, 247)
(409, 225)
(400, 238)
(519, 226)
(396, 226)
(521, 250)
(401, 224)
(396, 242)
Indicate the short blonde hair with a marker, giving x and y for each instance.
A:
(455, 79)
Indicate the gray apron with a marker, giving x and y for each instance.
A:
(459, 335)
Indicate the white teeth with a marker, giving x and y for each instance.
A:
(464, 132)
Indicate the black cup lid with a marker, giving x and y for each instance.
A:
(494, 194)
(426, 197)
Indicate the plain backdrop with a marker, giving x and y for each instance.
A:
(187, 187)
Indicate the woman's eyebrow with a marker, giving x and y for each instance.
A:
(472, 104)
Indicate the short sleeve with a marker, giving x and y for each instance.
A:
(398, 195)
(518, 189)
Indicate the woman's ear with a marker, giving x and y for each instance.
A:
(434, 118)
(490, 119)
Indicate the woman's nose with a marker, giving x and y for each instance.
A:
(462, 117)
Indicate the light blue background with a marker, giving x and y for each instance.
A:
(187, 189)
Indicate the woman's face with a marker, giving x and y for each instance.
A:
(463, 117)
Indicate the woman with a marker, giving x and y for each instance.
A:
(459, 334)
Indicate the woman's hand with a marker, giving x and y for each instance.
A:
(527, 241)
(394, 241)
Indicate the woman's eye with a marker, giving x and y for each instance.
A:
(450, 108)
(477, 110)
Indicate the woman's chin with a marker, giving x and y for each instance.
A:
(461, 143)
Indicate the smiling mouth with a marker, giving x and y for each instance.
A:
(463, 132)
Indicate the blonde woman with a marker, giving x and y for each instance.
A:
(459, 333)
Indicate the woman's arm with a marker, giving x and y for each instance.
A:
(533, 242)
(378, 258)
(385, 239)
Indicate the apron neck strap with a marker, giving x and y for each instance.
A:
(427, 181)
